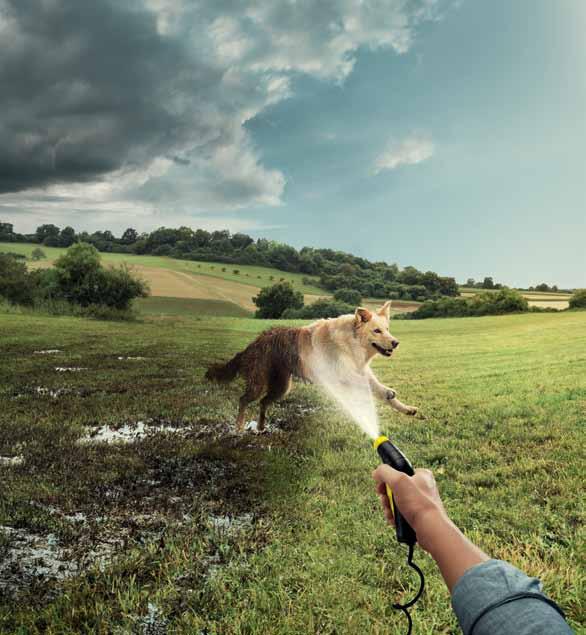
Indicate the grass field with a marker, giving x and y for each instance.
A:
(187, 307)
(194, 529)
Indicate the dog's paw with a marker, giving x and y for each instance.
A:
(411, 411)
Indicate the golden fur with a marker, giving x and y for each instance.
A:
(348, 344)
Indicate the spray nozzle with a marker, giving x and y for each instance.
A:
(391, 455)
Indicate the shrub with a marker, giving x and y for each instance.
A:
(38, 254)
(236, 271)
(349, 296)
(273, 301)
(319, 309)
(81, 279)
(16, 284)
(495, 303)
(578, 299)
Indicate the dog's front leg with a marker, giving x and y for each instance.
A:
(384, 393)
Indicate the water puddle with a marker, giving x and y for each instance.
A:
(11, 461)
(270, 427)
(128, 433)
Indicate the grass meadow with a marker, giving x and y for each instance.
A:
(194, 529)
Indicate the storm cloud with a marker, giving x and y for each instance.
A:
(116, 104)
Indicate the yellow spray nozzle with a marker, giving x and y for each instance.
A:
(379, 440)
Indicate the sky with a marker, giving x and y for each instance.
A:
(445, 134)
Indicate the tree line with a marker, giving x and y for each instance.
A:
(325, 268)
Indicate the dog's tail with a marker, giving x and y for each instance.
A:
(224, 373)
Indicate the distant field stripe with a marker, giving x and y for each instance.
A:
(191, 307)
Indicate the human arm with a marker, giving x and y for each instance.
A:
(418, 499)
(488, 596)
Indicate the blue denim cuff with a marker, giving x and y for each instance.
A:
(492, 582)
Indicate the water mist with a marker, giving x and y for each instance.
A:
(349, 389)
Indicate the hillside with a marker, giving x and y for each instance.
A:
(231, 292)
(186, 279)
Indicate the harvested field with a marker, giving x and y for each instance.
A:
(559, 305)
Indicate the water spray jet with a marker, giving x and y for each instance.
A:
(353, 393)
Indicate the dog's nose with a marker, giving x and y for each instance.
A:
(394, 344)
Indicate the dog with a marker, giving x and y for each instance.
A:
(347, 344)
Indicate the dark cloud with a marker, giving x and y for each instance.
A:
(130, 103)
(88, 88)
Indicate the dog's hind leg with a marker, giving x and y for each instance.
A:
(252, 394)
(279, 385)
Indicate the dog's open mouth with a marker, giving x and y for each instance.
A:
(383, 351)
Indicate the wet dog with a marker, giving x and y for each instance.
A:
(347, 344)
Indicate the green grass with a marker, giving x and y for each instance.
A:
(158, 305)
(504, 402)
(248, 274)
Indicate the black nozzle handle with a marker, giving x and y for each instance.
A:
(391, 455)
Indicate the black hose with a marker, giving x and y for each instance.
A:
(405, 607)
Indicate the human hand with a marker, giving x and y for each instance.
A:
(418, 499)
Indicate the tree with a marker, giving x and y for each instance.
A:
(470, 282)
(578, 299)
(542, 287)
(349, 296)
(47, 231)
(130, 236)
(241, 241)
(7, 232)
(38, 254)
(488, 283)
(67, 236)
(273, 301)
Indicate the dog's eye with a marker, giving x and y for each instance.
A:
(377, 331)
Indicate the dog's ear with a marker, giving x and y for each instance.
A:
(385, 309)
(361, 316)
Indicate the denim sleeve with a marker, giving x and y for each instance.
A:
(498, 583)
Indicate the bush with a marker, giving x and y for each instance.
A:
(16, 284)
(38, 254)
(273, 301)
(578, 299)
(496, 303)
(318, 310)
(81, 279)
(349, 296)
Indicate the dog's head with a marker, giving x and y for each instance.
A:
(373, 330)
